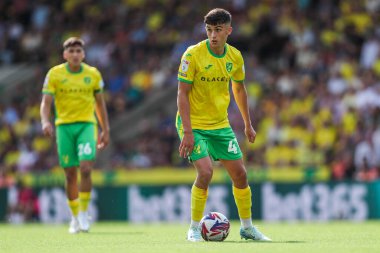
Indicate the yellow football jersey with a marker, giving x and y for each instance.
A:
(74, 92)
(210, 74)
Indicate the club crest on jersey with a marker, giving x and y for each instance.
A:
(87, 80)
(229, 66)
(185, 65)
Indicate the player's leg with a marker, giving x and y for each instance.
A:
(69, 161)
(72, 198)
(243, 199)
(241, 190)
(72, 189)
(224, 146)
(199, 194)
(85, 194)
(86, 144)
(199, 191)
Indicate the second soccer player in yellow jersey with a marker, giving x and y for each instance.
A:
(76, 89)
(204, 76)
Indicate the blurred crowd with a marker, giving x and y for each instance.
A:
(312, 74)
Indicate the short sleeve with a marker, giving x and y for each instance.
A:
(187, 68)
(99, 84)
(49, 85)
(239, 74)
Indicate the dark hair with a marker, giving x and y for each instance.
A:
(73, 41)
(217, 17)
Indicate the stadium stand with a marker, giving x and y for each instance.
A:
(313, 70)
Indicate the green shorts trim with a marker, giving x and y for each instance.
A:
(76, 142)
(219, 144)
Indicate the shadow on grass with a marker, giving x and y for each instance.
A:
(116, 233)
(247, 241)
(285, 242)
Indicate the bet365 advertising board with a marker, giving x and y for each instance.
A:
(271, 202)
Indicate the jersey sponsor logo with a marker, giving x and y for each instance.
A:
(76, 90)
(229, 66)
(182, 74)
(87, 80)
(188, 54)
(208, 66)
(215, 79)
(185, 65)
(64, 81)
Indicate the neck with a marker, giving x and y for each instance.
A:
(74, 68)
(218, 50)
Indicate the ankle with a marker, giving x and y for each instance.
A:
(194, 224)
(246, 223)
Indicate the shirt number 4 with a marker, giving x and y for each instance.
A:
(232, 147)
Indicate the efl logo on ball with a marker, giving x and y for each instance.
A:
(215, 227)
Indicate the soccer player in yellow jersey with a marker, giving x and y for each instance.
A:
(76, 89)
(202, 122)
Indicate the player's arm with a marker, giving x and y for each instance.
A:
(101, 113)
(241, 98)
(45, 109)
(187, 143)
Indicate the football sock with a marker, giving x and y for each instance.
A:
(74, 206)
(243, 199)
(194, 224)
(198, 203)
(246, 223)
(84, 198)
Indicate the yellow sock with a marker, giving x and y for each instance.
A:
(84, 198)
(74, 206)
(198, 203)
(243, 199)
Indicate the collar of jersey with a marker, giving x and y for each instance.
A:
(72, 72)
(212, 53)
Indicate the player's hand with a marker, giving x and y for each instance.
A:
(250, 133)
(187, 145)
(104, 139)
(47, 129)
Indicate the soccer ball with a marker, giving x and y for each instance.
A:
(215, 227)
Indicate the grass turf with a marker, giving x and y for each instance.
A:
(337, 237)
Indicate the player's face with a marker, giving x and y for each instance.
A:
(218, 34)
(74, 55)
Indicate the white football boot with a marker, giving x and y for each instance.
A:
(194, 234)
(74, 225)
(254, 234)
(84, 221)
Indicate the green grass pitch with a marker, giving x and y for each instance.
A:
(332, 237)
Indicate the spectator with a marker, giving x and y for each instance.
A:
(25, 206)
(312, 70)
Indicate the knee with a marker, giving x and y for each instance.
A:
(85, 170)
(205, 174)
(71, 177)
(240, 175)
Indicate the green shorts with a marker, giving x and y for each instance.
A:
(76, 142)
(218, 143)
